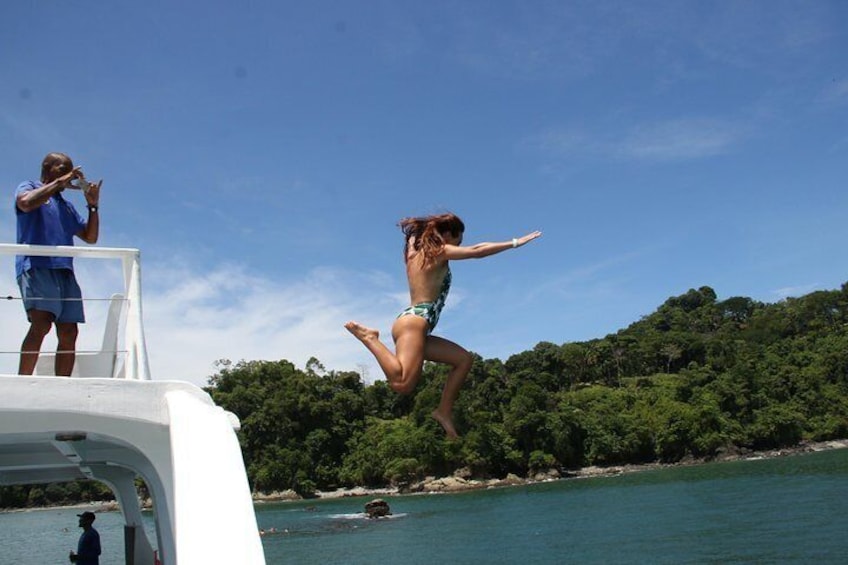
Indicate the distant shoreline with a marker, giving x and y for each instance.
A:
(460, 481)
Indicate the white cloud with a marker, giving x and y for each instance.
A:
(581, 279)
(792, 291)
(840, 89)
(679, 140)
(835, 93)
(669, 140)
(193, 319)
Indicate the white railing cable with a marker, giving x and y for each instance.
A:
(137, 366)
(10, 297)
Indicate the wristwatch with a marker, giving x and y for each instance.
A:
(92, 208)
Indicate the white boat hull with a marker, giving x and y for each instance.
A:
(169, 433)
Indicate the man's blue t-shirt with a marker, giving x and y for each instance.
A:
(53, 223)
(88, 548)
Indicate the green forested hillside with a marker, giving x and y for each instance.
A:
(696, 376)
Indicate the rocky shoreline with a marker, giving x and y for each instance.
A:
(461, 480)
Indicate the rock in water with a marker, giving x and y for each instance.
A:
(377, 508)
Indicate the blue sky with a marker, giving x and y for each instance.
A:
(260, 154)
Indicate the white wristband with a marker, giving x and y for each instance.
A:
(514, 242)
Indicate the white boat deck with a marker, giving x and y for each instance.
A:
(111, 423)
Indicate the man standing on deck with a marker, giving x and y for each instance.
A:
(88, 548)
(48, 286)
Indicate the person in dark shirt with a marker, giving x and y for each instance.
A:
(88, 547)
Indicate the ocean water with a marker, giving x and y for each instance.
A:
(783, 510)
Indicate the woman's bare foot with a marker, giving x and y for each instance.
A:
(361, 332)
(447, 423)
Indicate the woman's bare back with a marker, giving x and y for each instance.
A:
(425, 281)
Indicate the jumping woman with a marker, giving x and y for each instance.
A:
(431, 242)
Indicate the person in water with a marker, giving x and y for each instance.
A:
(431, 242)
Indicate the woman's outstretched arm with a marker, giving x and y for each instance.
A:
(478, 250)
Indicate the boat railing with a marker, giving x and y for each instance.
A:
(136, 365)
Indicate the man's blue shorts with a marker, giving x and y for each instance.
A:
(52, 290)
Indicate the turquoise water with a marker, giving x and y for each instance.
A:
(784, 510)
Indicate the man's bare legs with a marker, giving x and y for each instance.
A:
(40, 323)
(413, 346)
(66, 334)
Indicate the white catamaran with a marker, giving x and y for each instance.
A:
(111, 423)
